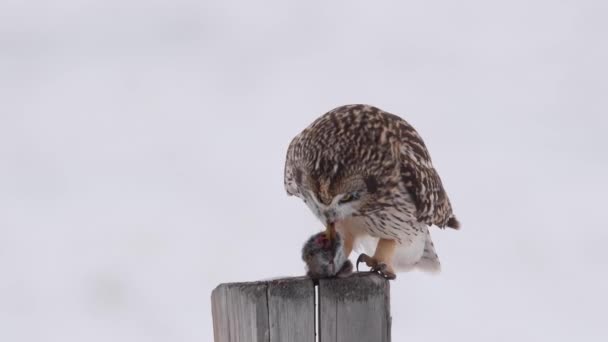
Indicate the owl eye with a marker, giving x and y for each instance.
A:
(349, 197)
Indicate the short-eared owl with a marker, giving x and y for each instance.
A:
(367, 174)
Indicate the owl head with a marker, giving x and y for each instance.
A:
(334, 198)
(343, 163)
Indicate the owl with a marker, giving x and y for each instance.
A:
(367, 174)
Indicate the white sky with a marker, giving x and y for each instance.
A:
(142, 147)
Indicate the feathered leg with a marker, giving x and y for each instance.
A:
(381, 262)
(349, 241)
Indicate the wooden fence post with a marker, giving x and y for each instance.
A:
(355, 308)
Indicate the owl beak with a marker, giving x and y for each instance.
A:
(330, 231)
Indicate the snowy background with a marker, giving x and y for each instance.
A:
(142, 147)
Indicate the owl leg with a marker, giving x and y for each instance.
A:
(381, 261)
(349, 241)
(384, 255)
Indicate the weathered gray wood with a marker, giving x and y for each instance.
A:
(355, 308)
(240, 312)
(220, 314)
(291, 304)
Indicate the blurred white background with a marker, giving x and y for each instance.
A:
(142, 147)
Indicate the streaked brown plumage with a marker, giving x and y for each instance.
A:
(369, 173)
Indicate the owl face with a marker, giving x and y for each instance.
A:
(341, 206)
(336, 198)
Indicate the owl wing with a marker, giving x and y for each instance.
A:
(290, 172)
(422, 181)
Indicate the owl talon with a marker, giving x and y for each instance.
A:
(369, 261)
(382, 269)
(389, 275)
(377, 267)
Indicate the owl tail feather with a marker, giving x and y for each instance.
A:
(429, 261)
(426, 260)
(453, 223)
